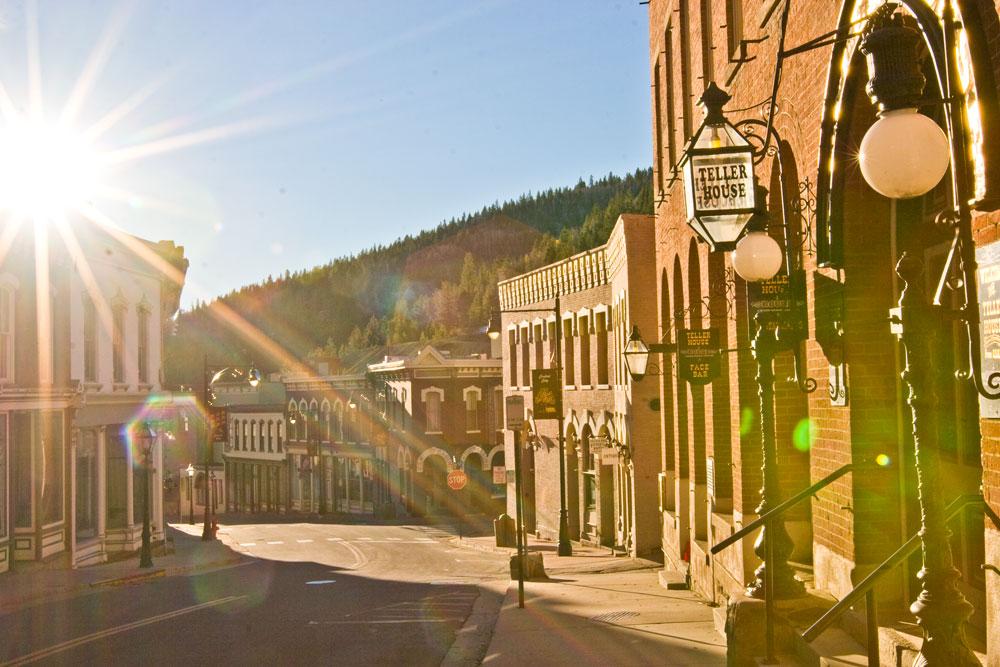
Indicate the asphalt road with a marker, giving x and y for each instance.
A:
(311, 594)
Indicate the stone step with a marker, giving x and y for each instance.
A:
(673, 580)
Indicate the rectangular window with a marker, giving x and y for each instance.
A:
(118, 343)
(687, 111)
(142, 352)
(658, 147)
(525, 360)
(734, 27)
(584, 350)
(512, 356)
(602, 348)
(116, 473)
(471, 412)
(538, 346)
(89, 341)
(498, 422)
(86, 485)
(668, 45)
(707, 55)
(569, 354)
(52, 473)
(551, 326)
(432, 407)
(6, 334)
(21, 444)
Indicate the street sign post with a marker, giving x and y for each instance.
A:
(457, 479)
(514, 408)
(515, 412)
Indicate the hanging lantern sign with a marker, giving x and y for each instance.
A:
(718, 176)
(698, 355)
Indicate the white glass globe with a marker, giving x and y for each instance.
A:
(757, 257)
(904, 154)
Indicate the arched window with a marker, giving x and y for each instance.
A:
(278, 425)
(472, 395)
(253, 436)
(338, 420)
(118, 342)
(325, 419)
(234, 435)
(246, 438)
(432, 398)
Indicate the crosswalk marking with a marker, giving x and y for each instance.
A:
(303, 541)
(248, 544)
(275, 542)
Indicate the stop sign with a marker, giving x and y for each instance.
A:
(457, 479)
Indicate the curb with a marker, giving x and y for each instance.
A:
(127, 579)
(486, 548)
(473, 640)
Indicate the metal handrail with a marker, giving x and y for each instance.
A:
(784, 506)
(865, 586)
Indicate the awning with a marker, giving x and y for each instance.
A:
(90, 416)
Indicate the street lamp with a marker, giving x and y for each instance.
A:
(493, 331)
(718, 176)
(728, 210)
(211, 375)
(145, 438)
(903, 155)
(190, 476)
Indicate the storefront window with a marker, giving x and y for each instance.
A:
(3, 476)
(52, 474)
(116, 472)
(86, 485)
(20, 443)
(369, 492)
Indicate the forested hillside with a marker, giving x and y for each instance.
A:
(439, 283)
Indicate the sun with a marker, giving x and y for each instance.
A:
(46, 170)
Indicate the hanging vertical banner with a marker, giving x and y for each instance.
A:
(698, 355)
(546, 393)
(988, 277)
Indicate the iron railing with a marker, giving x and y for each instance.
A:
(866, 587)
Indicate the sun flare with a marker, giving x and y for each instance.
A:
(45, 170)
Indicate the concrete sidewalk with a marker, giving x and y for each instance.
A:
(34, 583)
(595, 608)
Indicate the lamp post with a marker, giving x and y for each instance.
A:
(727, 209)
(190, 477)
(146, 436)
(211, 375)
(493, 331)
(905, 154)
(293, 418)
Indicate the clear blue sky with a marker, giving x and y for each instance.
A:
(356, 122)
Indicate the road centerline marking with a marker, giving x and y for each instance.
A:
(109, 632)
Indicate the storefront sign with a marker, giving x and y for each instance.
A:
(499, 474)
(988, 277)
(722, 182)
(546, 393)
(781, 296)
(514, 410)
(610, 456)
(698, 355)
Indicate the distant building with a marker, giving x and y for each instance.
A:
(611, 423)
(444, 407)
(80, 370)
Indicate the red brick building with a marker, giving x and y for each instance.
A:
(611, 424)
(847, 238)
